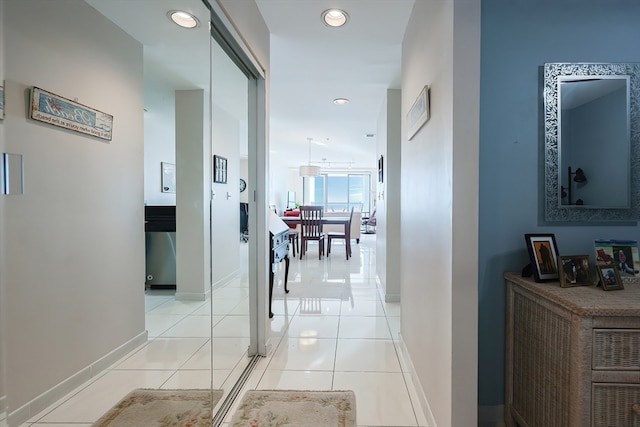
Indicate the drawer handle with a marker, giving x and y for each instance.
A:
(636, 408)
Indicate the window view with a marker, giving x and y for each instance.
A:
(338, 192)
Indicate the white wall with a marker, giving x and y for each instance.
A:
(193, 234)
(159, 141)
(3, 299)
(439, 207)
(388, 196)
(74, 264)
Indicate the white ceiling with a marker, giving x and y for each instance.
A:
(311, 64)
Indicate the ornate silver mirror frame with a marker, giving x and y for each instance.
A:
(553, 210)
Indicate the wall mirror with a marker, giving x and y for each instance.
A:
(592, 141)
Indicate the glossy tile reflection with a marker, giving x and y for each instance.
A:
(333, 331)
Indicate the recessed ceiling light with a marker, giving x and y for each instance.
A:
(341, 101)
(334, 17)
(183, 19)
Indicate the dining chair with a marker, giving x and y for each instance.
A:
(311, 228)
(371, 221)
(294, 240)
(337, 235)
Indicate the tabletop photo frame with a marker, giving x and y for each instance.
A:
(609, 277)
(543, 254)
(575, 270)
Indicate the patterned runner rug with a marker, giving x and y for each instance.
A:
(162, 408)
(294, 408)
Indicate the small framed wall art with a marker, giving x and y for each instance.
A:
(219, 169)
(419, 113)
(2, 101)
(543, 254)
(168, 183)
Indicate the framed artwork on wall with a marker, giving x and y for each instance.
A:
(381, 169)
(2, 101)
(219, 169)
(55, 110)
(168, 183)
(419, 113)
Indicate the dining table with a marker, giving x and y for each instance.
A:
(343, 220)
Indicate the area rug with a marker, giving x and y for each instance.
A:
(294, 408)
(162, 408)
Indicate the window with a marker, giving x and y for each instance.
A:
(338, 192)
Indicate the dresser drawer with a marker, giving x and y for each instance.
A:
(616, 349)
(613, 405)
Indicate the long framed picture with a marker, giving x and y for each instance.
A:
(543, 253)
(381, 169)
(419, 113)
(219, 169)
(574, 270)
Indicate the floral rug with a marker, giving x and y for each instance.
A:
(294, 408)
(162, 408)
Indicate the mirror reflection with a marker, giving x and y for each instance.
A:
(594, 136)
(590, 145)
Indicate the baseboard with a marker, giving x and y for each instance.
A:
(191, 296)
(226, 280)
(3, 411)
(382, 291)
(422, 397)
(392, 298)
(57, 392)
(491, 416)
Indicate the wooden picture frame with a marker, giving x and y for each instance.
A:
(55, 110)
(575, 270)
(543, 254)
(609, 277)
(219, 169)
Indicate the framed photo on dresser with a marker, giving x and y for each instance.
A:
(543, 254)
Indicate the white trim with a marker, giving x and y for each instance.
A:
(55, 393)
(3, 410)
(411, 370)
(226, 280)
(191, 296)
(218, 9)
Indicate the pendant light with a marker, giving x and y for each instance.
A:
(309, 169)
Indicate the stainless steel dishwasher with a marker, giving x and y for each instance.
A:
(160, 246)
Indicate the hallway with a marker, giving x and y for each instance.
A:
(331, 332)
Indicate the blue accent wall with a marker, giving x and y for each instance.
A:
(518, 37)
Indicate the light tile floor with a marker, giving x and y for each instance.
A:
(331, 332)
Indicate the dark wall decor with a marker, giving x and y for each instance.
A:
(219, 169)
(381, 169)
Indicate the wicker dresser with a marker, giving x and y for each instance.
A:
(573, 355)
